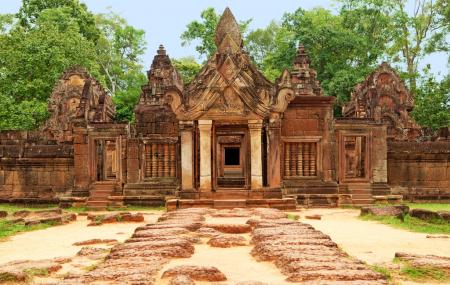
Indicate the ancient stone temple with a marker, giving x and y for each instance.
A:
(230, 138)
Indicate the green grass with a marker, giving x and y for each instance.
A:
(425, 274)
(10, 208)
(387, 274)
(437, 226)
(293, 217)
(8, 229)
(430, 206)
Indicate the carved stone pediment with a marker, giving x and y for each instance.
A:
(228, 86)
(77, 97)
(384, 97)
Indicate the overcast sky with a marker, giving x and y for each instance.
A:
(164, 20)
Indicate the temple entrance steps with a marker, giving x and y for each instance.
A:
(281, 204)
(361, 194)
(149, 193)
(99, 194)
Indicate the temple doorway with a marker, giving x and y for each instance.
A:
(231, 157)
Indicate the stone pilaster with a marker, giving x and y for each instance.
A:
(204, 127)
(255, 127)
(187, 167)
(274, 155)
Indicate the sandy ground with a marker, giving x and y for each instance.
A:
(57, 241)
(370, 241)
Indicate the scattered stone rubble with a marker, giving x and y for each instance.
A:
(95, 241)
(99, 219)
(56, 216)
(22, 270)
(417, 260)
(227, 241)
(307, 255)
(400, 211)
(140, 258)
(198, 273)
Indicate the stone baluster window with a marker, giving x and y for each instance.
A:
(160, 160)
(300, 159)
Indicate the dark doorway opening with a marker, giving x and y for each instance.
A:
(232, 156)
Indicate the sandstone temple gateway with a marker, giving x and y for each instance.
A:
(230, 138)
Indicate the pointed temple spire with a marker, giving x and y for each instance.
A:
(228, 34)
(302, 58)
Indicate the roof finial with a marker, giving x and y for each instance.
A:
(228, 28)
(302, 57)
(161, 50)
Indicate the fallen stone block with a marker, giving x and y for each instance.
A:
(230, 228)
(198, 273)
(227, 241)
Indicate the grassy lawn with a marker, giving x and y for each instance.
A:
(10, 208)
(413, 224)
(430, 206)
(8, 229)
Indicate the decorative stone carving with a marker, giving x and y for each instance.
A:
(77, 97)
(384, 97)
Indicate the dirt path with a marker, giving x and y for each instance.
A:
(370, 241)
(58, 241)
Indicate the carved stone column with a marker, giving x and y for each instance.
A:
(187, 167)
(274, 155)
(255, 127)
(204, 127)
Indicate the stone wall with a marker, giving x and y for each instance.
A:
(34, 169)
(420, 170)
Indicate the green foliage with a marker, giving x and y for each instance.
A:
(9, 207)
(188, 68)
(385, 272)
(432, 103)
(438, 226)
(31, 11)
(204, 31)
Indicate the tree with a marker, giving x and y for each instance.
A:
(119, 49)
(32, 60)
(31, 10)
(188, 67)
(204, 31)
(414, 34)
(432, 102)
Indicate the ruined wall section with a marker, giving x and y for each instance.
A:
(33, 168)
(420, 170)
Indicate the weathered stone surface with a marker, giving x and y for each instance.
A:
(199, 273)
(56, 216)
(396, 211)
(99, 219)
(142, 232)
(251, 283)
(424, 214)
(232, 213)
(3, 214)
(181, 280)
(438, 236)
(313, 217)
(19, 271)
(335, 275)
(266, 213)
(93, 252)
(425, 260)
(308, 256)
(94, 241)
(207, 232)
(227, 241)
(444, 215)
(230, 228)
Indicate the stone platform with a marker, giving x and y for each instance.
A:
(277, 203)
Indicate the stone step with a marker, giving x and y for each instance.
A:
(360, 191)
(97, 205)
(361, 196)
(362, 202)
(229, 204)
(147, 192)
